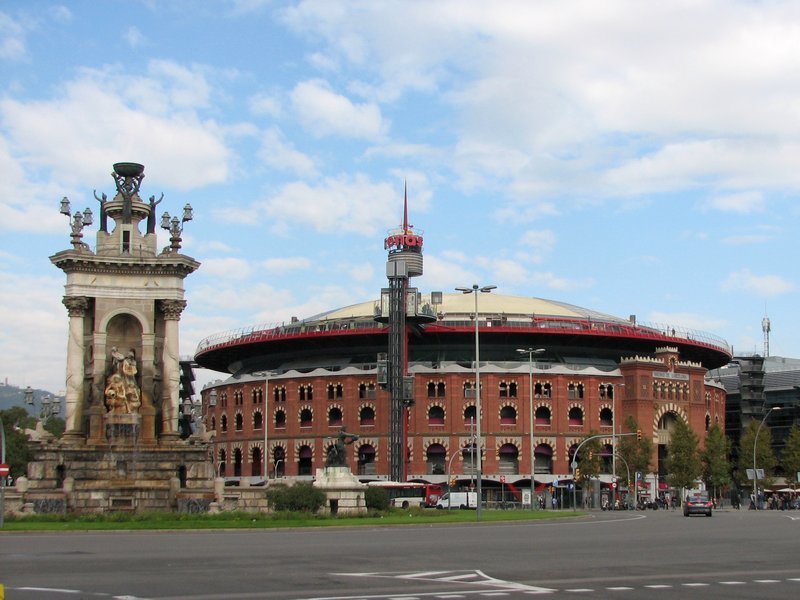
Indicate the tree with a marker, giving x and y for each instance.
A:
(765, 458)
(790, 459)
(714, 458)
(637, 453)
(55, 426)
(15, 420)
(683, 459)
(590, 460)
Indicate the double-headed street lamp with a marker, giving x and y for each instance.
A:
(530, 352)
(474, 290)
(755, 445)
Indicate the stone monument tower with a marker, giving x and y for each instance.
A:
(124, 301)
(121, 448)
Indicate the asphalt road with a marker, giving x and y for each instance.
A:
(652, 554)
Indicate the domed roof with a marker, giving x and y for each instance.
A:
(493, 304)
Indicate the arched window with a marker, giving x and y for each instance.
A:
(606, 417)
(509, 459)
(708, 422)
(306, 417)
(335, 417)
(508, 415)
(543, 416)
(440, 389)
(223, 458)
(237, 462)
(543, 459)
(280, 419)
(213, 423)
(366, 391)
(258, 420)
(223, 423)
(278, 462)
(366, 416)
(255, 463)
(431, 389)
(435, 415)
(470, 415)
(366, 460)
(575, 416)
(305, 456)
(435, 459)
(239, 421)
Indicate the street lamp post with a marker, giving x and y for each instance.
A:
(2, 477)
(614, 430)
(755, 445)
(530, 352)
(474, 290)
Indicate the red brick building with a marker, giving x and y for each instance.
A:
(295, 387)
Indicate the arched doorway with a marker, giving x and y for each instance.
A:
(435, 459)
(666, 425)
(509, 459)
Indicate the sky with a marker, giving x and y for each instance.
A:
(625, 156)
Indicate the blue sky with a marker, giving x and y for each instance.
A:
(630, 157)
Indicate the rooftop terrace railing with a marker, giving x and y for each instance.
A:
(542, 323)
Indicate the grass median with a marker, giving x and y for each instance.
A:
(119, 521)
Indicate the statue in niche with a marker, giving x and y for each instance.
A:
(122, 394)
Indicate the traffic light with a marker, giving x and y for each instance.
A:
(639, 435)
(591, 454)
(577, 473)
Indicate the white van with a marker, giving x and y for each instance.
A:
(458, 500)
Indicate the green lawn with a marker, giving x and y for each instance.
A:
(238, 520)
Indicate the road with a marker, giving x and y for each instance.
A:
(652, 554)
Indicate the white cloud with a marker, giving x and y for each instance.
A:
(286, 264)
(742, 203)
(33, 331)
(760, 285)
(542, 241)
(102, 114)
(12, 38)
(227, 268)
(362, 272)
(278, 153)
(354, 205)
(324, 112)
(687, 320)
(265, 104)
(134, 36)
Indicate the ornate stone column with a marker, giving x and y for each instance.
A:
(171, 310)
(74, 400)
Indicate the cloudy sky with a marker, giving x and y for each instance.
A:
(630, 157)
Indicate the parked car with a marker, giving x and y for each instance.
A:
(698, 504)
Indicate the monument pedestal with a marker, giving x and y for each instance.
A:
(345, 493)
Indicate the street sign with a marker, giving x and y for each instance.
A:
(4, 469)
(614, 485)
(502, 478)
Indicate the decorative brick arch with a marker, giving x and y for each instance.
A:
(253, 417)
(274, 446)
(663, 409)
(253, 446)
(580, 405)
(368, 442)
(335, 405)
(237, 446)
(569, 443)
(502, 441)
(507, 402)
(303, 407)
(440, 403)
(304, 442)
(367, 405)
(431, 441)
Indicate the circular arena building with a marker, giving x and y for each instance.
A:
(550, 375)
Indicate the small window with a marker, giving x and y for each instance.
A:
(508, 415)
(280, 419)
(306, 418)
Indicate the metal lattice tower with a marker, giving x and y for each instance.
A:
(766, 328)
(404, 261)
